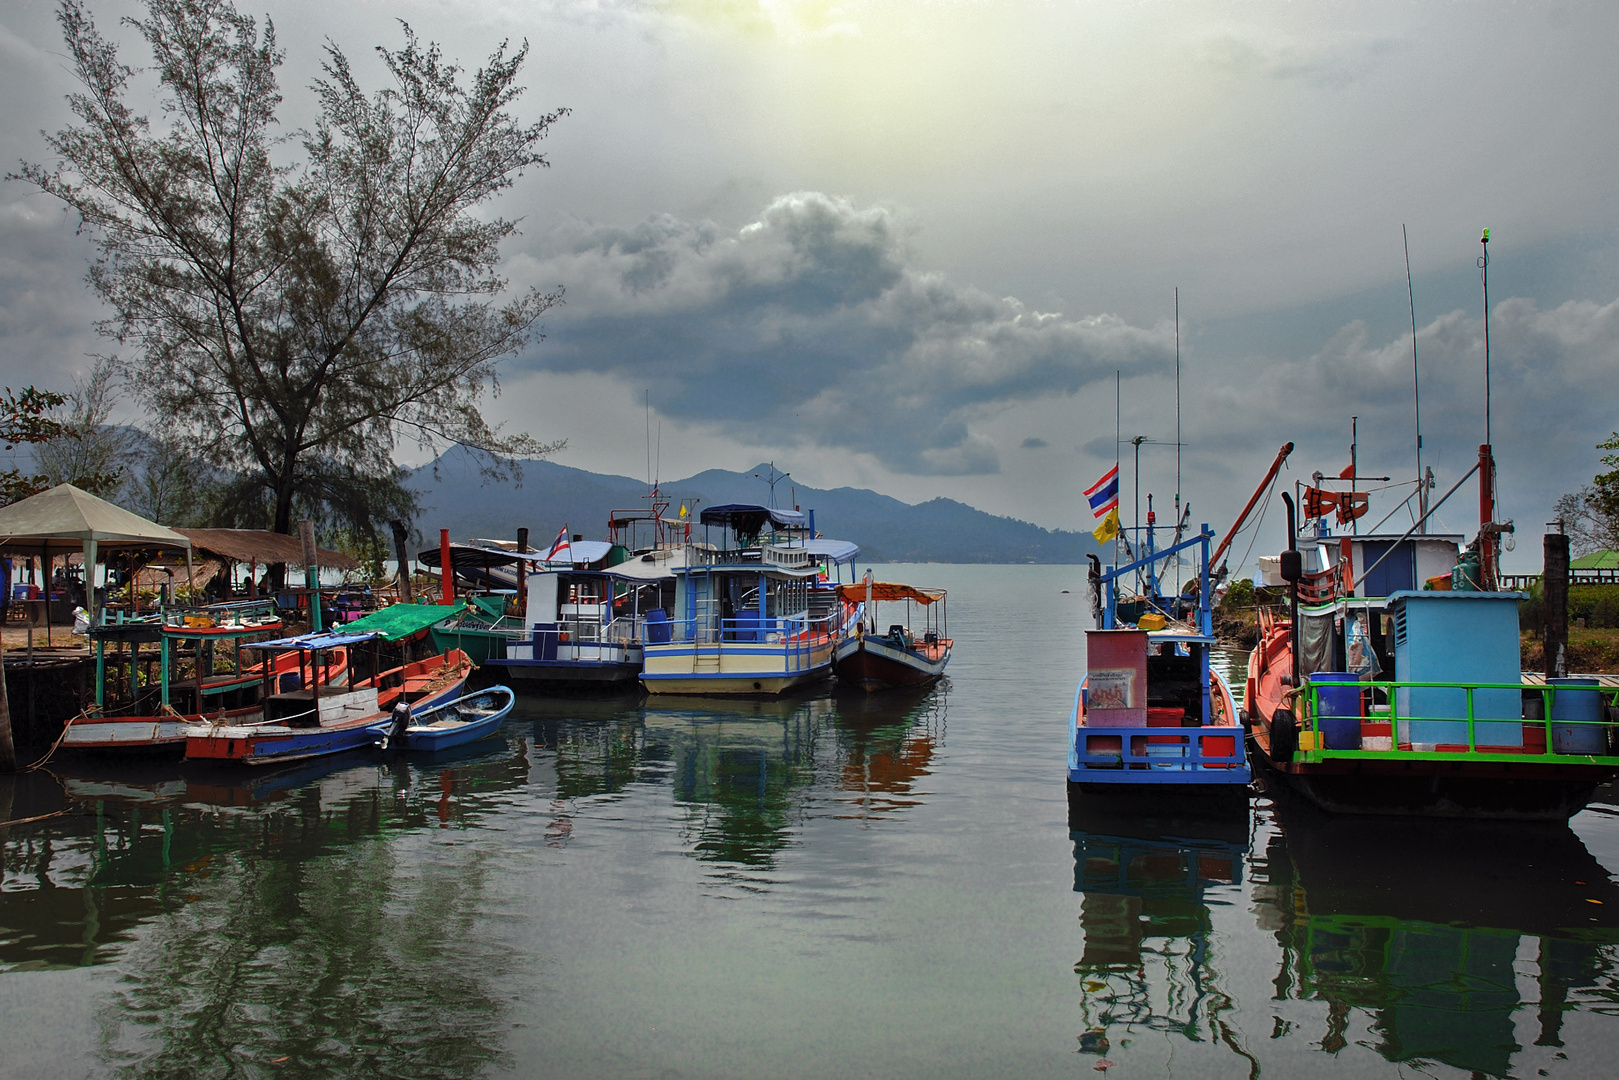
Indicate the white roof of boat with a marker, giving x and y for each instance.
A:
(841, 552)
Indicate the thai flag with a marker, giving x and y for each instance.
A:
(1104, 494)
(560, 544)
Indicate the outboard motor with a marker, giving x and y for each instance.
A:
(401, 721)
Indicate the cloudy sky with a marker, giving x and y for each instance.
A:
(907, 245)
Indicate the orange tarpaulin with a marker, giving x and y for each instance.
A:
(889, 591)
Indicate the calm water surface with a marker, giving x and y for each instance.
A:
(820, 888)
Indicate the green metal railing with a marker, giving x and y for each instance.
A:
(1310, 721)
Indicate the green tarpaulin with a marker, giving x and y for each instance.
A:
(402, 620)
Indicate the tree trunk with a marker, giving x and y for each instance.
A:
(401, 537)
(283, 525)
(8, 751)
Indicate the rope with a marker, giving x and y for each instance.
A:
(83, 715)
(1263, 508)
(36, 817)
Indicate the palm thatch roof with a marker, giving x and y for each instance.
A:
(268, 548)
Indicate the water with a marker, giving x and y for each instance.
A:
(820, 888)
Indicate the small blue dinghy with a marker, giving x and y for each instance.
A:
(466, 719)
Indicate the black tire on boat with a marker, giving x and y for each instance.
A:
(1284, 736)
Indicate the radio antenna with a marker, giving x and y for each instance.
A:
(1416, 383)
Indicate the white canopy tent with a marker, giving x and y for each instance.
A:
(66, 519)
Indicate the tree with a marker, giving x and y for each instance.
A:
(24, 419)
(92, 452)
(1591, 515)
(296, 321)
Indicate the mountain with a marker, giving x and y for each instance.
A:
(550, 496)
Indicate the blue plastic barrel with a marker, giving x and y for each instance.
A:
(1339, 694)
(657, 627)
(1583, 731)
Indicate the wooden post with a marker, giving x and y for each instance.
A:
(8, 751)
(522, 574)
(306, 533)
(1554, 595)
(446, 575)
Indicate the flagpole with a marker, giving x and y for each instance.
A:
(1118, 433)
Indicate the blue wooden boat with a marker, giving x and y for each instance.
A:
(316, 719)
(466, 719)
(1151, 717)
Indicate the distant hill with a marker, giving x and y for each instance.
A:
(455, 497)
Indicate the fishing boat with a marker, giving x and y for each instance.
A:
(310, 721)
(758, 613)
(1152, 718)
(905, 654)
(466, 719)
(585, 619)
(578, 613)
(145, 698)
(1458, 730)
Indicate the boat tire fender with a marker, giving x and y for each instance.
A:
(1284, 736)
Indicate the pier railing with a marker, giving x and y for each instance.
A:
(1382, 730)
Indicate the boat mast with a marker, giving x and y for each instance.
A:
(1118, 400)
(1416, 384)
(1486, 455)
(1177, 435)
(1354, 470)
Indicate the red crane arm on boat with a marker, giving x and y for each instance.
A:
(1275, 467)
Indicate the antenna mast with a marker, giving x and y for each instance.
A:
(1118, 433)
(1416, 385)
(1177, 435)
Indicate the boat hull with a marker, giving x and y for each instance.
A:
(1147, 763)
(427, 739)
(737, 669)
(1404, 782)
(129, 735)
(569, 672)
(874, 663)
(1442, 789)
(273, 745)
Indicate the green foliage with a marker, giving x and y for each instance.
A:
(1598, 605)
(25, 420)
(1239, 595)
(1591, 515)
(295, 321)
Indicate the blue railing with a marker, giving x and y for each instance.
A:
(796, 635)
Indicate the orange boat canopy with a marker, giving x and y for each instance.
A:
(888, 590)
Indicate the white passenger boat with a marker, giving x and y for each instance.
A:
(756, 614)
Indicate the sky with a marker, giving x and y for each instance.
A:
(920, 246)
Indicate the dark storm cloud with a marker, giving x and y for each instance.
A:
(810, 326)
(1552, 377)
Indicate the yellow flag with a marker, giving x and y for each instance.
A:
(1109, 527)
(683, 512)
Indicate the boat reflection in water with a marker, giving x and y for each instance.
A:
(887, 742)
(743, 773)
(1437, 942)
(267, 917)
(1149, 962)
